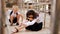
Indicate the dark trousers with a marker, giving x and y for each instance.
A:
(35, 27)
(14, 20)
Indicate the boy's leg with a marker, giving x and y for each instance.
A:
(35, 27)
(15, 21)
(11, 19)
(18, 17)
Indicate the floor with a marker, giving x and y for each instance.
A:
(43, 31)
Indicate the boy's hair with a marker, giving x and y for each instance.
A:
(32, 12)
(15, 6)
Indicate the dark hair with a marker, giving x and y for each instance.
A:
(32, 12)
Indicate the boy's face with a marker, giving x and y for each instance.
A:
(15, 9)
(30, 17)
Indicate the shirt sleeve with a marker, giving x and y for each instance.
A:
(40, 18)
(30, 23)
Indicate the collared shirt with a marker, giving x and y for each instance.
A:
(38, 20)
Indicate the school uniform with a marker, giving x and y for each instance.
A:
(14, 16)
(36, 24)
(35, 27)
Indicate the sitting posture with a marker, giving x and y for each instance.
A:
(15, 15)
(32, 22)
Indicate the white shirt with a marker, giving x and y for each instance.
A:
(38, 20)
(8, 13)
(27, 23)
(14, 14)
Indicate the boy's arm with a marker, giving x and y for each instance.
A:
(21, 27)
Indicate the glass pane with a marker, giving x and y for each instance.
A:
(41, 7)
